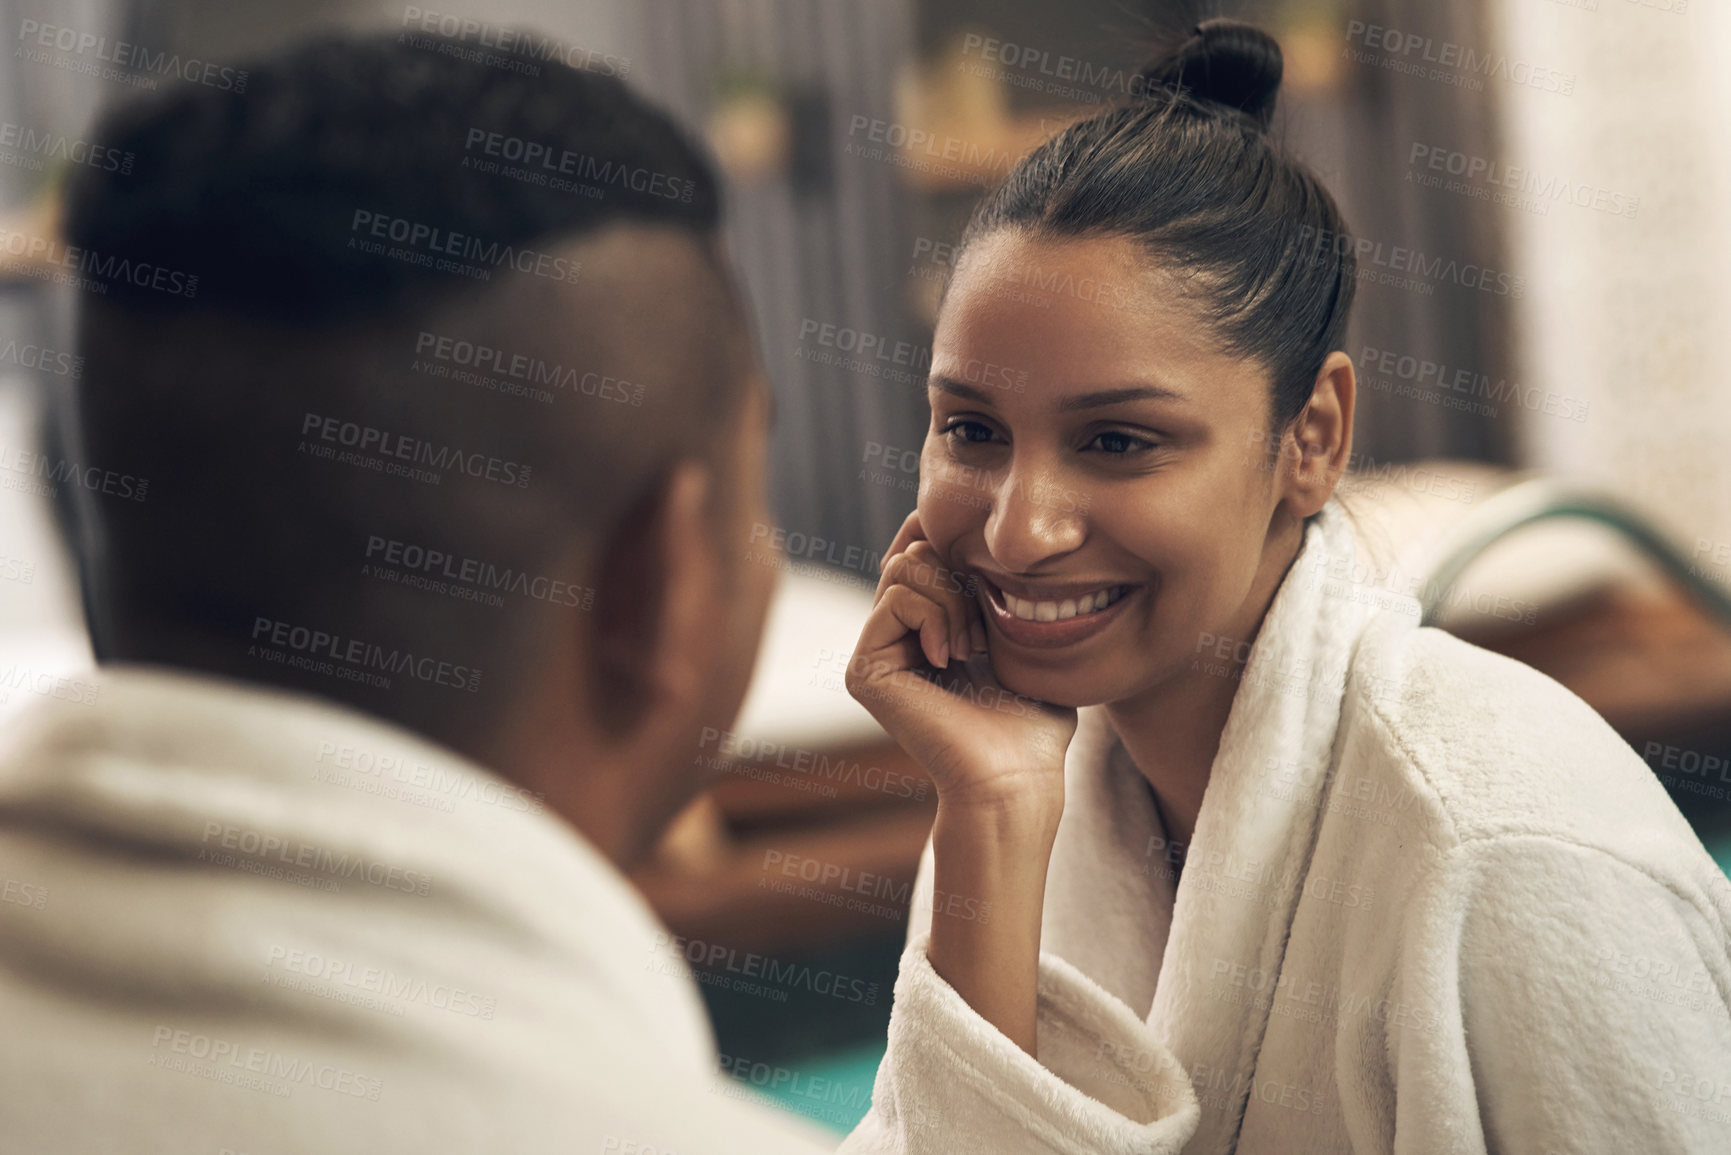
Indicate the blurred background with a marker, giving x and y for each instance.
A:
(1543, 451)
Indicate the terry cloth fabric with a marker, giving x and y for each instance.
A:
(1433, 904)
(239, 919)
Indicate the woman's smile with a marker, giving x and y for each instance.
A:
(1050, 614)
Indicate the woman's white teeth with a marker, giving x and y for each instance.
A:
(1056, 611)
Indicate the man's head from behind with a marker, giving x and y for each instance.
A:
(458, 424)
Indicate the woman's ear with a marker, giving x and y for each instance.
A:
(658, 593)
(1322, 436)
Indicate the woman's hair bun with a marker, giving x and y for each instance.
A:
(1226, 61)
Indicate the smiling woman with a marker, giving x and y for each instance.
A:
(1408, 953)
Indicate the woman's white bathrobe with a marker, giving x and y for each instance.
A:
(1433, 903)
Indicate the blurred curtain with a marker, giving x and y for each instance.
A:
(1384, 113)
(820, 237)
(1631, 311)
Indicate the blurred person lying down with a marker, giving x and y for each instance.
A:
(405, 657)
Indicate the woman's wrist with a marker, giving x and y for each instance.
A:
(989, 874)
(1018, 815)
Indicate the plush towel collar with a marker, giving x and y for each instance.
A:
(1127, 929)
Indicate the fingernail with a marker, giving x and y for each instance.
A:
(944, 653)
(979, 637)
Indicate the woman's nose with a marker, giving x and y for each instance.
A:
(1030, 522)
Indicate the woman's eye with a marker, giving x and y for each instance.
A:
(968, 431)
(1119, 443)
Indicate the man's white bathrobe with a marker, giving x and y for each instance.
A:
(237, 920)
(1433, 903)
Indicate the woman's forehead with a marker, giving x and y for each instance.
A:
(1079, 315)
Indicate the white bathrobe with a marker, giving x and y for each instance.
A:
(1433, 903)
(237, 920)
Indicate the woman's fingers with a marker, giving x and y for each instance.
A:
(900, 614)
(910, 532)
(913, 560)
(927, 572)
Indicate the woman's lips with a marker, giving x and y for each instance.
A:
(1047, 628)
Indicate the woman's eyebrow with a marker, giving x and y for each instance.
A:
(1114, 396)
(1093, 400)
(959, 388)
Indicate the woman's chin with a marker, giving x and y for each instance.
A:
(1055, 688)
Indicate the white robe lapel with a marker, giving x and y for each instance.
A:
(1247, 861)
(1109, 887)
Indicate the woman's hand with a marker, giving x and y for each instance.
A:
(922, 670)
(997, 759)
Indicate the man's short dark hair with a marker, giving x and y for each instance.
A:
(271, 196)
(299, 347)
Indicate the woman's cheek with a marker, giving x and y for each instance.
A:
(947, 506)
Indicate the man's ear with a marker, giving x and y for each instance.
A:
(1322, 434)
(659, 583)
